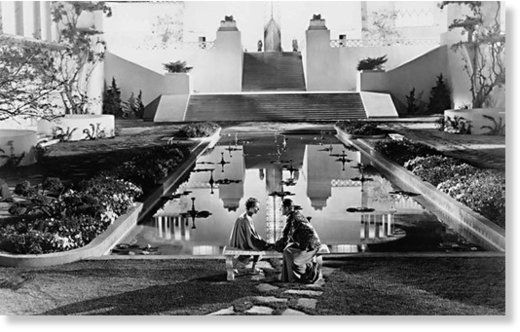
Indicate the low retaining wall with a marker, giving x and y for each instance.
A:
(77, 127)
(483, 121)
(99, 246)
(460, 217)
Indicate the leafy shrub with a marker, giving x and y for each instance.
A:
(201, 129)
(404, 150)
(483, 191)
(69, 221)
(372, 63)
(23, 189)
(147, 168)
(177, 67)
(360, 128)
(52, 185)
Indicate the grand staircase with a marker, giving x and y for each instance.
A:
(273, 71)
(275, 106)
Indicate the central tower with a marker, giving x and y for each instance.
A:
(272, 35)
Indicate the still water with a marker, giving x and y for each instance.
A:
(352, 207)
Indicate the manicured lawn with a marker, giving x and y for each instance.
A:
(417, 286)
(367, 286)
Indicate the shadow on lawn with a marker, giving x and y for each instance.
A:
(185, 298)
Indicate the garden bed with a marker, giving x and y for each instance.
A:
(156, 170)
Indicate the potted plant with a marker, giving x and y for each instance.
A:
(177, 67)
(370, 71)
(177, 78)
(483, 61)
(376, 64)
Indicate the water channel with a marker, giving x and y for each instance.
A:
(352, 207)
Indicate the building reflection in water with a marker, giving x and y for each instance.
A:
(376, 226)
(322, 186)
(172, 227)
(320, 169)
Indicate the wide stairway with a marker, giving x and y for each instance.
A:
(273, 71)
(275, 106)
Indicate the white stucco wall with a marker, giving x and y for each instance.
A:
(219, 69)
(131, 77)
(334, 68)
(420, 73)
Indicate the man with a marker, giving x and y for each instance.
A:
(300, 244)
(244, 236)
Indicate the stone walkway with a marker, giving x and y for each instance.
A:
(482, 150)
(278, 298)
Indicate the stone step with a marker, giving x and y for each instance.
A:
(276, 106)
(273, 71)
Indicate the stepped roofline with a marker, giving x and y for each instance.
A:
(317, 23)
(228, 24)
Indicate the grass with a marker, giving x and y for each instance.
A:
(417, 286)
(368, 286)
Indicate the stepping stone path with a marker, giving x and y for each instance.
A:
(222, 312)
(269, 299)
(300, 297)
(292, 312)
(307, 303)
(303, 292)
(260, 310)
(266, 288)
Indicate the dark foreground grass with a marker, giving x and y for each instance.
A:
(368, 286)
(416, 286)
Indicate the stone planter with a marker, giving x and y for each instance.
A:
(77, 127)
(177, 84)
(371, 80)
(480, 121)
(17, 146)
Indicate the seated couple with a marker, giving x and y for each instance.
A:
(299, 244)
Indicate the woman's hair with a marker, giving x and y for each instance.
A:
(251, 202)
(287, 203)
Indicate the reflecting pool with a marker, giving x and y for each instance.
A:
(352, 207)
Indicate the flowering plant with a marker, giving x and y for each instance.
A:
(483, 191)
(437, 169)
(404, 150)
